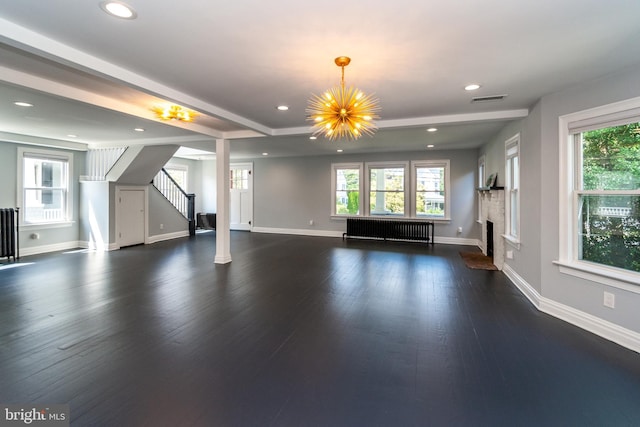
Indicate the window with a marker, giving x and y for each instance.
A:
(347, 189)
(431, 182)
(607, 190)
(387, 188)
(180, 174)
(600, 194)
(392, 189)
(239, 179)
(44, 185)
(512, 189)
(482, 172)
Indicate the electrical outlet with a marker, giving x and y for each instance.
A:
(509, 254)
(609, 300)
(161, 226)
(459, 229)
(310, 222)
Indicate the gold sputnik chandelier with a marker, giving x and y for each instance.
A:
(343, 112)
(174, 112)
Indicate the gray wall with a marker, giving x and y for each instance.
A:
(540, 172)
(526, 260)
(291, 191)
(162, 212)
(51, 237)
(583, 295)
(208, 182)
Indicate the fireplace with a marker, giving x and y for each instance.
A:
(492, 219)
(490, 239)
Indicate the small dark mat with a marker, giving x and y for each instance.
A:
(478, 261)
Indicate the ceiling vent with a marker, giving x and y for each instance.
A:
(491, 98)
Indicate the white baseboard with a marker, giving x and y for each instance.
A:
(330, 233)
(610, 331)
(455, 241)
(167, 236)
(297, 232)
(56, 247)
(105, 247)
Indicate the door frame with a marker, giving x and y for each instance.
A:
(249, 166)
(120, 220)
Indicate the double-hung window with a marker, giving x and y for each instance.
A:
(482, 172)
(44, 185)
(347, 189)
(431, 183)
(601, 152)
(387, 184)
(512, 189)
(416, 189)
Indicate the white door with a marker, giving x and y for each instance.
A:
(241, 198)
(131, 217)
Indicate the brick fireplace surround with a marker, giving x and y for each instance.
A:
(492, 209)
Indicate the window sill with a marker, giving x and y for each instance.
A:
(609, 276)
(44, 225)
(512, 241)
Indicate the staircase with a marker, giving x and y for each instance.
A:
(183, 202)
(135, 166)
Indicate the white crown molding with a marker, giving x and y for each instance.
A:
(25, 39)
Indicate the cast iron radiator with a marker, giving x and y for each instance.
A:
(9, 233)
(389, 229)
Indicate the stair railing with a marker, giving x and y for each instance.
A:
(183, 201)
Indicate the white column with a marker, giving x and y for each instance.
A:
(223, 234)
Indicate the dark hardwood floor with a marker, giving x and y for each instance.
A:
(298, 331)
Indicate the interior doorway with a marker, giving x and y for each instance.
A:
(241, 197)
(131, 216)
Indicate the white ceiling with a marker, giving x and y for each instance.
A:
(97, 76)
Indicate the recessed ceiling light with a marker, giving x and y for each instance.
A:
(282, 107)
(118, 9)
(430, 146)
(265, 154)
(22, 104)
(339, 150)
(313, 137)
(139, 129)
(432, 130)
(473, 86)
(72, 135)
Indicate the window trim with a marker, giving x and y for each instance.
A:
(512, 150)
(334, 168)
(446, 163)
(607, 115)
(410, 186)
(482, 179)
(44, 154)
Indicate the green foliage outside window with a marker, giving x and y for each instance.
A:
(610, 228)
(348, 199)
(387, 191)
